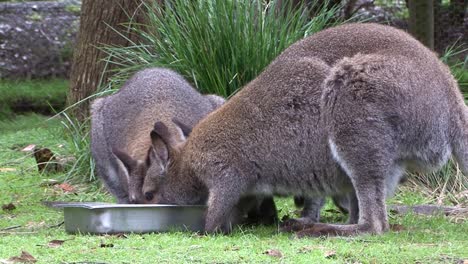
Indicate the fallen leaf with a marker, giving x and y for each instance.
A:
(233, 248)
(197, 235)
(45, 160)
(55, 243)
(397, 227)
(49, 182)
(24, 258)
(121, 235)
(29, 148)
(104, 245)
(306, 249)
(195, 247)
(330, 254)
(274, 253)
(7, 169)
(33, 225)
(66, 187)
(8, 207)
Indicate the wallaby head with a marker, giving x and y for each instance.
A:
(122, 122)
(176, 185)
(165, 189)
(157, 173)
(135, 172)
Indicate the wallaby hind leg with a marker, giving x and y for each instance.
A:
(372, 213)
(367, 165)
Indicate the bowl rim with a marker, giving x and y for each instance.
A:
(97, 205)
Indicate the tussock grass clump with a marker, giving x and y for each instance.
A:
(218, 45)
(77, 133)
(458, 67)
(446, 186)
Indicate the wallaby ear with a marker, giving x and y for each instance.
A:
(161, 132)
(215, 100)
(186, 130)
(157, 152)
(129, 162)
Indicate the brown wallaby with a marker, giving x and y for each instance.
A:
(241, 163)
(121, 123)
(391, 106)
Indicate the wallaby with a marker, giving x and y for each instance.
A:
(396, 106)
(121, 123)
(227, 154)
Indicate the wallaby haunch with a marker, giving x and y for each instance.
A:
(121, 123)
(391, 108)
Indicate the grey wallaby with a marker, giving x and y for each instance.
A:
(387, 104)
(121, 124)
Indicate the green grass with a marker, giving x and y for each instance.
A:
(424, 240)
(42, 96)
(461, 73)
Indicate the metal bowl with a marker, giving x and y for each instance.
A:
(102, 218)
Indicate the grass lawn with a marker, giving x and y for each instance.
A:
(31, 226)
(40, 96)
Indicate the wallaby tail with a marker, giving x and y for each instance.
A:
(215, 100)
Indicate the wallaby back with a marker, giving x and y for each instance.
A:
(124, 120)
(333, 44)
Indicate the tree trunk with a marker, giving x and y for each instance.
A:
(87, 72)
(422, 21)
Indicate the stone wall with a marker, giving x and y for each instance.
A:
(37, 38)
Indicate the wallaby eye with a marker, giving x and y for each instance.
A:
(149, 196)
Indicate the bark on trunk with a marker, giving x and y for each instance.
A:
(87, 73)
(422, 21)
